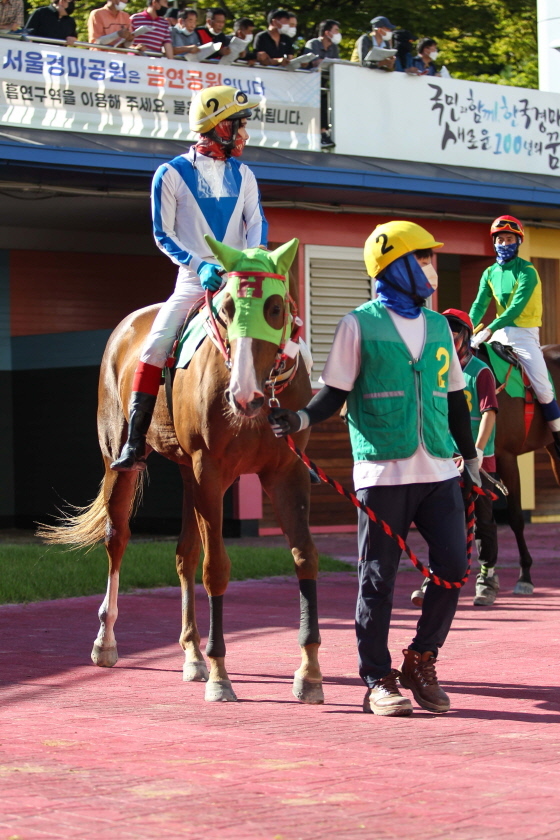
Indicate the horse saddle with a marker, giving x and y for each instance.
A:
(507, 353)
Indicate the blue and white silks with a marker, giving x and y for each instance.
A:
(400, 283)
(194, 194)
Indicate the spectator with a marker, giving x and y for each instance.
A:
(380, 36)
(158, 37)
(183, 35)
(214, 30)
(402, 42)
(274, 47)
(11, 15)
(244, 28)
(325, 46)
(54, 21)
(107, 21)
(427, 54)
(172, 15)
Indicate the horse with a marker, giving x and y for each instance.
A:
(218, 431)
(512, 441)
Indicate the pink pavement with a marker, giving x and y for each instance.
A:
(133, 752)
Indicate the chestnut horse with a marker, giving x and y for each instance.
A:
(512, 441)
(219, 431)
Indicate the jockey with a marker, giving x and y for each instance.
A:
(516, 288)
(205, 191)
(395, 364)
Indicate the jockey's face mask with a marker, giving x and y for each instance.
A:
(250, 292)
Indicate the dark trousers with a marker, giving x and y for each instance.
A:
(438, 511)
(486, 530)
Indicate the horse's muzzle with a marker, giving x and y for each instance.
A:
(248, 409)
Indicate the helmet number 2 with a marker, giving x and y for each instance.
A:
(384, 247)
(442, 353)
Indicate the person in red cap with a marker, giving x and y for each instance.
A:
(515, 286)
(480, 392)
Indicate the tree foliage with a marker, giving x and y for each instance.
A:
(484, 40)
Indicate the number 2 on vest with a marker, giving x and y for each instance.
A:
(442, 353)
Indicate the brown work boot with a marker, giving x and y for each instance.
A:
(385, 698)
(418, 674)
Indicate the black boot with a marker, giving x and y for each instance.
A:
(134, 450)
(556, 436)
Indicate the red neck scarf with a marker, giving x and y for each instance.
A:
(212, 147)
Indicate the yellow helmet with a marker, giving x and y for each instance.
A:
(214, 104)
(392, 240)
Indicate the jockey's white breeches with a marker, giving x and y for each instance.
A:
(526, 343)
(170, 317)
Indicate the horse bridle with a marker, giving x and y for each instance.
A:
(279, 377)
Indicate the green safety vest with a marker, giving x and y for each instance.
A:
(398, 401)
(471, 372)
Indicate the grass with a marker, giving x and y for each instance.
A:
(37, 572)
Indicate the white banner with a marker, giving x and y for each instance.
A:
(448, 121)
(115, 93)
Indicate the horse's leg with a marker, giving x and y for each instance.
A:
(289, 494)
(188, 552)
(120, 495)
(509, 473)
(554, 461)
(208, 495)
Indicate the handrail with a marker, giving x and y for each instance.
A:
(129, 51)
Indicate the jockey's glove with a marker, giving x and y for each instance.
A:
(471, 477)
(285, 422)
(480, 338)
(210, 277)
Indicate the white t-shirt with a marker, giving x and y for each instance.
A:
(341, 371)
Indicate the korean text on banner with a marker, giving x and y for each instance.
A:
(433, 120)
(112, 93)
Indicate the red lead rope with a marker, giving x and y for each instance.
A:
(469, 516)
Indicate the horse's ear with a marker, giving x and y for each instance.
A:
(228, 257)
(284, 256)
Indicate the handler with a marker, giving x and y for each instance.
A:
(481, 397)
(394, 362)
(516, 288)
(206, 190)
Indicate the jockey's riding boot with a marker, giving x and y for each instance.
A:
(134, 451)
(556, 436)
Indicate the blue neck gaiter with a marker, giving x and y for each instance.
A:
(505, 253)
(403, 287)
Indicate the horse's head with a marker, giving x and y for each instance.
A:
(256, 313)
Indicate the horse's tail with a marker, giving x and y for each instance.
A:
(84, 527)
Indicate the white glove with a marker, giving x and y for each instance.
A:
(480, 456)
(481, 337)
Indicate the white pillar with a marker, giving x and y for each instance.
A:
(548, 27)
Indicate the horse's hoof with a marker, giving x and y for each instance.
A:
(523, 588)
(219, 691)
(195, 671)
(308, 691)
(104, 657)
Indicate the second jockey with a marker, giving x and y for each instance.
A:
(515, 286)
(206, 190)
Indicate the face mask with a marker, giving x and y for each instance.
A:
(284, 29)
(505, 253)
(434, 55)
(387, 36)
(431, 275)
(121, 7)
(336, 38)
(292, 31)
(162, 11)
